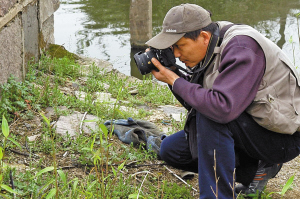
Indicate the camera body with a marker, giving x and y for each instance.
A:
(143, 59)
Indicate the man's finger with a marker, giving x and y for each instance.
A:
(156, 63)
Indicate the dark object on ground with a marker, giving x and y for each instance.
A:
(137, 132)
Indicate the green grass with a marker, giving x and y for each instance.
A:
(100, 161)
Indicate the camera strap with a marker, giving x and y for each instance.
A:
(183, 69)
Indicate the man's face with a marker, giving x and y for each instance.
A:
(190, 51)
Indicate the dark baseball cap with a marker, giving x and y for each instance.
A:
(178, 21)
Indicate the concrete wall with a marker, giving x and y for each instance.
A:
(140, 22)
(26, 28)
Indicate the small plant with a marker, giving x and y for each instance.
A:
(5, 132)
(286, 187)
(103, 166)
(55, 190)
(16, 99)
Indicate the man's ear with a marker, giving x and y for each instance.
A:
(206, 36)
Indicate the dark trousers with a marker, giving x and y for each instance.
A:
(235, 148)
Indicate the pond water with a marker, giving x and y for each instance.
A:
(100, 28)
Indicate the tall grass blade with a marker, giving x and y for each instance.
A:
(5, 128)
(91, 185)
(45, 119)
(46, 185)
(51, 193)
(9, 189)
(62, 176)
(15, 142)
(47, 169)
(287, 185)
(1, 153)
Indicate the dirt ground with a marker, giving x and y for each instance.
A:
(33, 127)
(288, 170)
(21, 160)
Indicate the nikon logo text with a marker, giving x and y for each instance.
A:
(171, 30)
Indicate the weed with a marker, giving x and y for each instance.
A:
(17, 99)
(5, 132)
(103, 165)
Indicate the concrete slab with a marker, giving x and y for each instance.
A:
(177, 113)
(5, 6)
(11, 48)
(47, 8)
(31, 33)
(71, 124)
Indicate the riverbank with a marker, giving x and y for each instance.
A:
(274, 185)
(77, 96)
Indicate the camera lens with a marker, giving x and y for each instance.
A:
(143, 61)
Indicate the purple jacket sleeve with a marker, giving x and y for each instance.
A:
(241, 70)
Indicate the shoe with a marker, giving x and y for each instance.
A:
(263, 175)
(153, 144)
(187, 175)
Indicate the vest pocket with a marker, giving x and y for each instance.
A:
(275, 115)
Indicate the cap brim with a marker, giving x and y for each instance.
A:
(164, 40)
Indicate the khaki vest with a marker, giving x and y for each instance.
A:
(277, 103)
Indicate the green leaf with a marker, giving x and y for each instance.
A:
(46, 185)
(5, 128)
(120, 112)
(114, 171)
(109, 145)
(134, 196)
(75, 184)
(268, 196)
(9, 189)
(62, 176)
(104, 178)
(47, 169)
(45, 119)
(91, 185)
(4, 196)
(15, 142)
(1, 153)
(104, 130)
(287, 185)
(51, 193)
(121, 166)
(86, 149)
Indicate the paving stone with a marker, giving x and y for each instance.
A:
(71, 124)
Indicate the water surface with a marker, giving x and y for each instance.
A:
(100, 28)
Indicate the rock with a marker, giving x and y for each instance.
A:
(104, 97)
(71, 124)
(101, 64)
(27, 125)
(133, 92)
(106, 86)
(33, 138)
(75, 86)
(49, 112)
(80, 95)
(177, 113)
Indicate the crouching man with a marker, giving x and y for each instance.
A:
(243, 102)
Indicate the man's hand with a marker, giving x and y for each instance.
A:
(164, 74)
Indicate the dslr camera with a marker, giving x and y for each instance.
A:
(143, 59)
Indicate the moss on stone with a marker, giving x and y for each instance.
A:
(59, 51)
